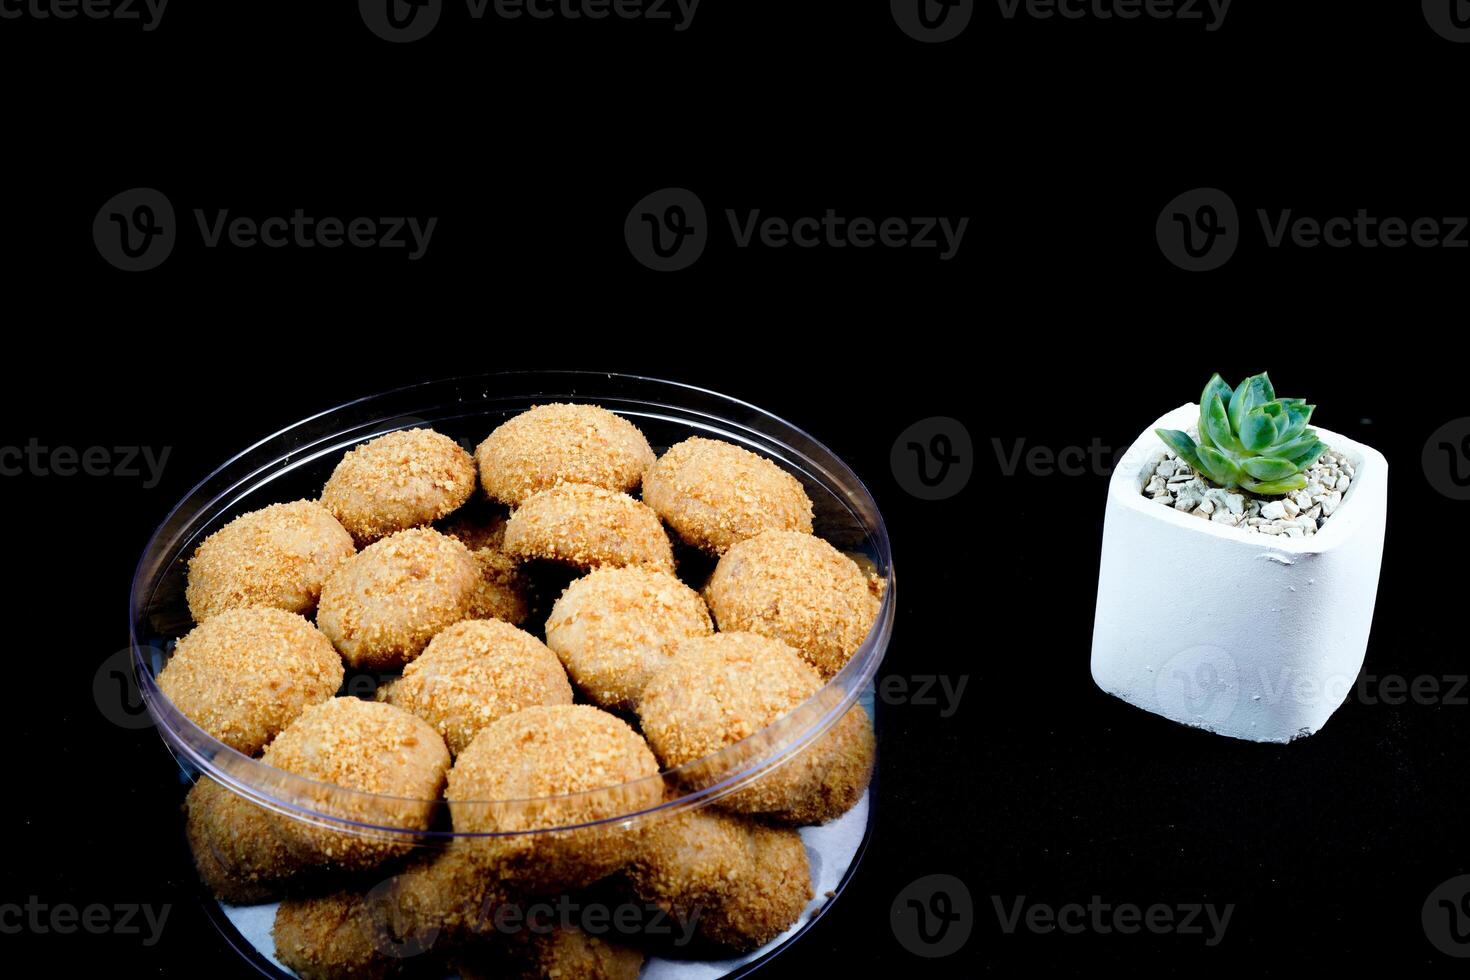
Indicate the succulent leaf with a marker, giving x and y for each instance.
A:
(1249, 438)
(1253, 391)
(1182, 445)
(1276, 487)
(1216, 384)
(1214, 421)
(1257, 430)
(1221, 468)
(1269, 468)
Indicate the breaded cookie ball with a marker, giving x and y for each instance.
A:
(761, 906)
(714, 494)
(720, 690)
(588, 527)
(245, 674)
(614, 627)
(372, 763)
(598, 766)
(552, 444)
(799, 589)
(564, 953)
(345, 934)
(504, 591)
(382, 606)
(687, 863)
(397, 481)
(277, 556)
(476, 672)
(238, 847)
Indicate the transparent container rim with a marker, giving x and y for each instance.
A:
(804, 724)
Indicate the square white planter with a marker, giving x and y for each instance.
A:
(1250, 635)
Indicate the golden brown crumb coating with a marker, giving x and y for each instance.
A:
(245, 674)
(686, 863)
(371, 763)
(476, 672)
(277, 556)
(382, 606)
(722, 689)
(761, 906)
(238, 847)
(397, 481)
(614, 627)
(714, 494)
(504, 590)
(588, 526)
(598, 766)
(560, 443)
(799, 589)
(564, 953)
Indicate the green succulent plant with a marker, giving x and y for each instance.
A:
(1249, 438)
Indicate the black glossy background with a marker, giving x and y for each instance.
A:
(1058, 322)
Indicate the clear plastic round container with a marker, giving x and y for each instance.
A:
(295, 463)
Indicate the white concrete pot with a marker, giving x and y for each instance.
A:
(1249, 635)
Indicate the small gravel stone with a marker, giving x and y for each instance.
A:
(1300, 513)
